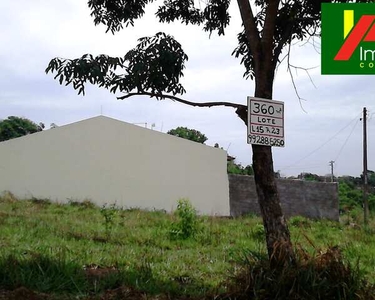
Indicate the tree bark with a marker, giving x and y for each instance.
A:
(279, 246)
(262, 45)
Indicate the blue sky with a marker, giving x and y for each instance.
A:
(33, 32)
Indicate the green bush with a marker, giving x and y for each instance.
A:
(238, 169)
(109, 214)
(187, 225)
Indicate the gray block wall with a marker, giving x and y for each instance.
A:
(318, 200)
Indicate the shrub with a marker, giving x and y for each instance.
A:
(238, 169)
(109, 214)
(187, 225)
(350, 197)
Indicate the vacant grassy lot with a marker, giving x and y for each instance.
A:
(78, 249)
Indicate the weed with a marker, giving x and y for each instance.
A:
(299, 221)
(109, 214)
(210, 233)
(46, 274)
(357, 215)
(323, 276)
(257, 233)
(8, 197)
(41, 273)
(250, 215)
(187, 225)
(40, 201)
(86, 203)
(145, 269)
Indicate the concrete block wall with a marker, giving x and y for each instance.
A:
(318, 200)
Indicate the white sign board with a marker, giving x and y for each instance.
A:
(265, 122)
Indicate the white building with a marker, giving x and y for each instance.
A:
(109, 161)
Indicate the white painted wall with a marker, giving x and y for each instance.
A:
(110, 161)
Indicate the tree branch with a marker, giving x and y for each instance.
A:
(293, 82)
(269, 30)
(174, 98)
(251, 30)
(269, 25)
(284, 38)
(241, 110)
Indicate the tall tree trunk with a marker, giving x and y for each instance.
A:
(279, 246)
(261, 46)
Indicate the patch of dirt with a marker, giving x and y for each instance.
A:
(120, 293)
(127, 293)
(124, 293)
(80, 236)
(23, 293)
(97, 272)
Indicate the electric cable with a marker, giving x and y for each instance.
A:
(355, 125)
(322, 145)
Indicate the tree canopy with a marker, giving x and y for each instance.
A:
(238, 169)
(155, 66)
(14, 127)
(188, 134)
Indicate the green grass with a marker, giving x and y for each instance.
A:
(66, 249)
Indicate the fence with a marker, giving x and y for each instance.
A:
(318, 200)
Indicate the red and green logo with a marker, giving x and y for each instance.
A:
(348, 38)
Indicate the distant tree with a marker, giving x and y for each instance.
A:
(233, 168)
(351, 193)
(188, 134)
(352, 181)
(249, 170)
(310, 177)
(350, 196)
(370, 178)
(14, 127)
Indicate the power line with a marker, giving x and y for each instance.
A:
(314, 166)
(369, 119)
(321, 146)
(355, 124)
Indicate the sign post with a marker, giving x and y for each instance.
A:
(265, 122)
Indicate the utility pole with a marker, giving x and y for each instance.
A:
(365, 200)
(331, 164)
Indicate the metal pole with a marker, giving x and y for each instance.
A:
(331, 164)
(365, 200)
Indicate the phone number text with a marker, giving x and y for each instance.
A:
(266, 141)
